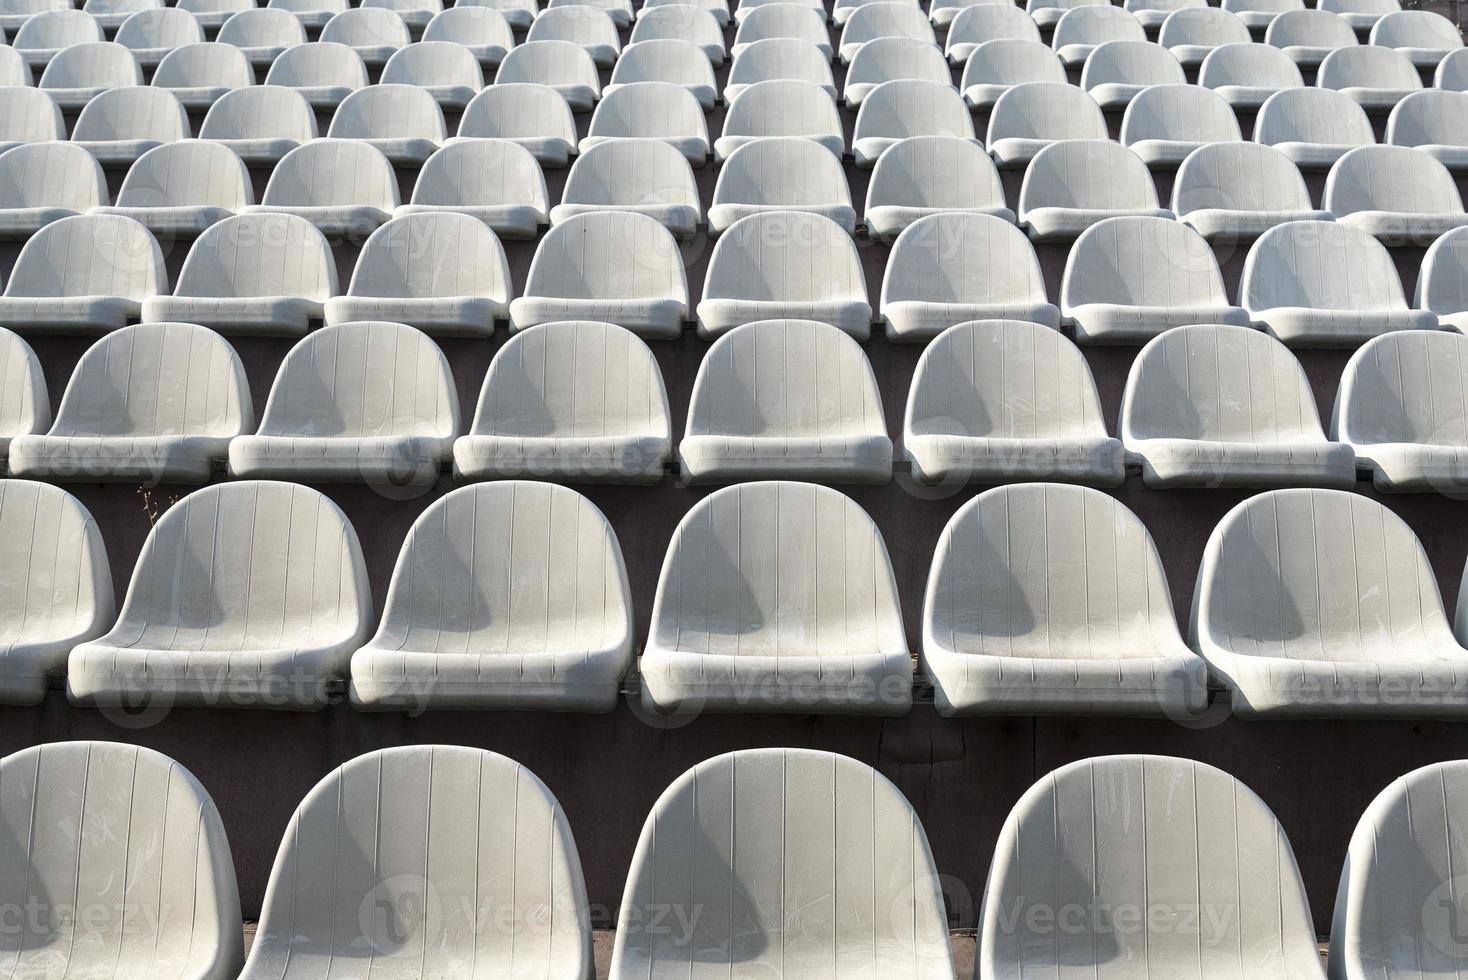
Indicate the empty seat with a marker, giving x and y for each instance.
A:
(943, 12)
(45, 182)
(843, 10)
(179, 189)
(1166, 123)
(560, 65)
(1325, 284)
(994, 67)
(201, 74)
(907, 107)
(682, 22)
(670, 61)
(785, 399)
(496, 181)
(1307, 36)
(415, 13)
(1071, 186)
(323, 72)
(213, 14)
(781, 107)
(786, 20)
(585, 27)
(816, 626)
(871, 21)
(571, 400)
(359, 402)
(83, 71)
(927, 175)
(443, 273)
(1210, 406)
(260, 124)
(1433, 122)
(151, 34)
(86, 274)
(1233, 192)
(1452, 72)
(262, 34)
(778, 58)
(1314, 127)
(111, 13)
(45, 34)
(1376, 78)
(1085, 28)
(449, 73)
(1321, 603)
(953, 267)
(120, 125)
(784, 265)
(652, 111)
(1362, 15)
(718, 8)
(1033, 115)
(888, 58)
(373, 32)
(485, 32)
(1192, 33)
(251, 274)
(14, 71)
(782, 174)
(620, 11)
(1423, 36)
(1129, 279)
(308, 183)
(1047, 13)
(616, 266)
(403, 122)
(1246, 75)
(151, 403)
(1400, 195)
(1259, 14)
(647, 176)
(1118, 71)
(1003, 401)
(536, 117)
(1442, 281)
(26, 407)
(1016, 619)
(14, 13)
(519, 14)
(314, 15)
(990, 22)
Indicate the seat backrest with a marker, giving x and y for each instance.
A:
(206, 65)
(684, 22)
(783, 20)
(888, 58)
(783, 107)
(883, 19)
(507, 110)
(1033, 7)
(782, 171)
(664, 60)
(649, 110)
(1011, 61)
(963, 257)
(581, 25)
(133, 113)
(474, 172)
(1320, 265)
(1452, 72)
(1142, 261)
(434, 63)
(309, 6)
(1131, 63)
(1095, 23)
(1416, 29)
(1203, 26)
(1430, 117)
(913, 107)
(549, 63)
(1442, 279)
(1390, 178)
(1368, 66)
(1312, 115)
(1239, 176)
(992, 22)
(119, 9)
(51, 175)
(1046, 110)
(94, 64)
(926, 171)
(1089, 174)
(785, 256)
(159, 27)
(367, 27)
(55, 29)
(1405, 387)
(633, 173)
(14, 72)
(318, 63)
(90, 255)
(1310, 28)
(333, 171)
(263, 112)
(1189, 113)
(439, 254)
(1263, 6)
(780, 57)
(263, 27)
(387, 111)
(58, 586)
(1254, 65)
(259, 254)
(1378, 8)
(25, 407)
(607, 255)
(189, 172)
(479, 26)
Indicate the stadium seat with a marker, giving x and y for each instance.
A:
(682, 22)
(323, 72)
(1259, 14)
(1031, 116)
(560, 65)
(80, 72)
(1433, 122)
(111, 13)
(586, 27)
(1362, 15)
(1325, 284)
(261, 124)
(817, 628)
(1376, 78)
(1152, 14)
(781, 107)
(44, 35)
(1129, 279)
(952, 267)
(415, 13)
(1016, 619)
(496, 181)
(990, 22)
(1118, 71)
(26, 407)
(1321, 604)
(53, 597)
(1307, 36)
(784, 265)
(1047, 13)
(942, 12)
(538, 556)
(842, 11)
(926, 175)
(719, 8)
(1247, 75)
(363, 402)
(1452, 72)
(373, 32)
(449, 72)
(150, 34)
(403, 122)
(572, 400)
(747, 7)
(201, 74)
(620, 11)
(1209, 406)
(1085, 28)
(786, 20)
(14, 72)
(519, 14)
(903, 108)
(251, 274)
(778, 58)
(1442, 281)
(615, 266)
(119, 125)
(785, 400)
(214, 14)
(994, 67)
(889, 58)
(86, 274)
(484, 31)
(647, 176)
(1400, 195)
(247, 594)
(1423, 36)
(178, 189)
(262, 34)
(151, 403)
(1166, 123)
(1071, 186)
(651, 111)
(308, 183)
(1314, 127)
(45, 182)
(14, 13)
(884, 19)
(669, 61)
(1400, 409)
(1193, 33)
(314, 15)
(444, 273)
(536, 117)
(1003, 401)
(1235, 192)
(781, 174)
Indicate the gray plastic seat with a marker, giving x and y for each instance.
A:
(647, 176)
(1259, 14)
(1362, 15)
(1247, 75)
(323, 72)
(1071, 186)
(179, 189)
(718, 8)
(1013, 621)
(1452, 72)
(25, 408)
(842, 11)
(1235, 192)
(942, 13)
(561, 65)
(1031, 116)
(953, 267)
(1376, 78)
(1423, 36)
(519, 14)
(1307, 36)
(1325, 284)
(251, 274)
(79, 73)
(786, 400)
(1005, 401)
(682, 22)
(1400, 195)
(572, 400)
(534, 116)
(151, 34)
(1047, 13)
(1193, 33)
(988, 22)
(904, 108)
(782, 173)
(45, 182)
(1129, 279)
(201, 74)
(616, 266)
(14, 13)
(1442, 281)
(784, 265)
(1433, 122)
(1085, 28)
(620, 11)
(1400, 408)
(111, 13)
(888, 58)
(776, 58)
(403, 122)
(14, 72)
(994, 67)
(448, 72)
(586, 27)
(883, 19)
(151, 403)
(658, 111)
(1154, 13)
(308, 183)
(669, 61)
(788, 620)
(46, 33)
(314, 15)
(483, 30)
(925, 175)
(1314, 127)
(1321, 604)
(1117, 71)
(214, 14)
(1209, 406)
(364, 402)
(781, 107)
(247, 594)
(373, 32)
(261, 124)
(120, 125)
(262, 34)
(415, 13)
(90, 273)
(495, 181)
(443, 273)
(788, 20)
(1165, 123)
